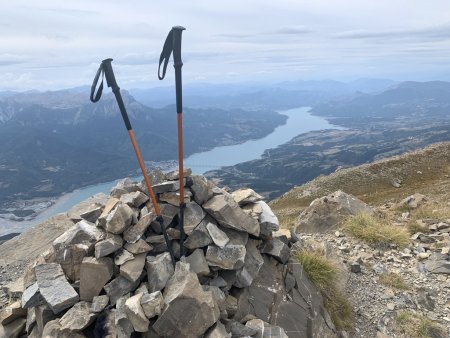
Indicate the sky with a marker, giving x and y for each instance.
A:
(50, 45)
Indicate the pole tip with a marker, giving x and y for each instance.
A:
(181, 28)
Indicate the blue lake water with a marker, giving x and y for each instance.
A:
(299, 121)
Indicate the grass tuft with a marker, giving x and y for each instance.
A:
(376, 232)
(324, 274)
(393, 280)
(417, 326)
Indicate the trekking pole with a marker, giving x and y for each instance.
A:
(173, 43)
(106, 70)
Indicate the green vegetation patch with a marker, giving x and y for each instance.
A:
(376, 232)
(415, 325)
(393, 280)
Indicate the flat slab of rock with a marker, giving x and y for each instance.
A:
(228, 213)
(139, 247)
(230, 257)
(277, 248)
(134, 199)
(109, 245)
(159, 270)
(199, 237)
(132, 269)
(219, 237)
(119, 287)
(88, 208)
(54, 287)
(135, 232)
(252, 263)
(197, 262)
(200, 189)
(246, 196)
(31, 297)
(78, 317)
(328, 212)
(119, 219)
(12, 312)
(182, 294)
(94, 274)
(193, 215)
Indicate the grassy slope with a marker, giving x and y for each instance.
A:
(426, 171)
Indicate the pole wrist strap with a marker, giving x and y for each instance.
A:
(165, 55)
(95, 97)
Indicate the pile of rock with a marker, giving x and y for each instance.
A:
(110, 275)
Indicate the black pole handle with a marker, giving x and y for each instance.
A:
(109, 75)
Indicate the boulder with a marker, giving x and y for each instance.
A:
(228, 213)
(31, 297)
(166, 187)
(193, 215)
(135, 232)
(94, 274)
(230, 257)
(265, 330)
(123, 325)
(53, 329)
(159, 270)
(12, 312)
(109, 245)
(119, 219)
(252, 263)
(246, 196)
(438, 263)
(152, 304)
(43, 315)
(239, 330)
(136, 314)
(89, 209)
(13, 329)
(182, 294)
(99, 303)
(119, 287)
(109, 206)
(132, 269)
(197, 262)
(122, 257)
(54, 287)
(267, 220)
(412, 202)
(326, 213)
(218, 236)
(173, 197)
(199, 237)
(218, 331)
(277, 248)
(200, 189)
(78, 317)
(138, 247)
(134, 199)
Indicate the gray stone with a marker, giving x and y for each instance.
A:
(134, 199)
(252, 263)
(228, 213)
(193, 215)
(218, 295)
(236, 237)
(267, 220)
(43, 315)
(239, 330)
(412, 201)
(73, 245)
(94, 274)
(246, 196)
(12, 312)
(92, 213)
(139, 247)
(109, 245)
(166, 187)
(182, 294)
(31, 320)
(200, 189)
(355, 267)
(87, 206)
(109, 206)
(122, 257)
(326, 213)
(78, 317)
(173, 198)
(106, 324)
(15, 288)
(199, 237)
(253, 209)
(123, 325)
(197, 263)
(135, 232)
(14, 329)
(218, 236)
(174, 175)
(379, 268)
(99, 303)
(53, 329)
(159, 270)
(119, 287)
(136, 314)
(31, 297)
(218, 281)
(438, 266)
(119, 219)
(277, 249)
(230, 257)
(152, 304)
(54, 287)
(218, 331)
(132, 269)
(168, 212)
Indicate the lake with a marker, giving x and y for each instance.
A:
(299, 121)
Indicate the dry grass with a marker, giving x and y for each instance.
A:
(393, 280)
(324, 274)
(414, 325)
(376, 232)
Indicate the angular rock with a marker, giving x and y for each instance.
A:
(132, 269)
(123, 325)
(53, 329)
(54, 288)
(135, 232)
(246, 196)
(200, 189)
(92, 213)
(119, 287)
(159, 270)
(228, 213)
(99, 303)
(326, 213)
(94, 274)
(75, 244)
(236, 237)
(239, 330)
(12, 312)
(438, 266)
(218, 331)
(166, 187)
(119, 219)
(193, 215)
(218, 236)
(122, 257)
(109, 206)
(277, 249)
(174, 175)
(31, 320)
(267, 220)
(13, 329)
(173, 198)
(230, 257)
(31, 297)
(197, 263)
(139, 247)
(152, 304)
(88, 209)
(412, 201)
(252, 263)
(134, 199)
(15, 288)
(168, 212)
(199, 237)
(265, 330)
(136, 314)
(43, 315)
(78, 317)
(253, 209)
(109, 245)
(182, 294)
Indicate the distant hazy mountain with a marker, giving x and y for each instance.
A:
(56, 141)
(256, 96)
